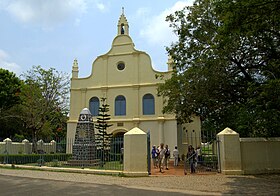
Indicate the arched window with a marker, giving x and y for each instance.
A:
(120, 106)
(94, 106)
(148, 104)
(122, 28)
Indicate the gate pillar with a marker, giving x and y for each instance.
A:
(135, 153)
(230, 154)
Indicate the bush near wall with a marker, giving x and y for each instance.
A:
(32, 158)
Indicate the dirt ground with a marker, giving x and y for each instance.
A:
(179, 170)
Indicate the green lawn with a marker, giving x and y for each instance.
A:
(207, 149)
(113, 165)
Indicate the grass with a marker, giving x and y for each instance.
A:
(207, 149)
(113, 165)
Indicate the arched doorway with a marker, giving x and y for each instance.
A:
(117, 142)
(116, 146)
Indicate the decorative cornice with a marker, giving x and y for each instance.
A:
(117, 86)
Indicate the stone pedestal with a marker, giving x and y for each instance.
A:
(53, 146)
(26, 147)
(230, 154)
(40, 145)
(8, 146)
(135, 153)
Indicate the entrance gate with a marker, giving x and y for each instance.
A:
(204, 160)
(204, 157)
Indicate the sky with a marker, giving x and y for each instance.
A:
(52, 33)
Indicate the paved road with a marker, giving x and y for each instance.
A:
(10, 185)
(28, 182)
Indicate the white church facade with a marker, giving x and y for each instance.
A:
(126, 78)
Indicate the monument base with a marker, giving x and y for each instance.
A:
(95, 162)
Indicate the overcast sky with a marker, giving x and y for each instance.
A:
(52, 33)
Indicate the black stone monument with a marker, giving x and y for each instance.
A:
(84, 148)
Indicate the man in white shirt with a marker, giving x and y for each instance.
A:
(176, 156)
(161, 156)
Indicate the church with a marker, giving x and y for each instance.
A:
(126, 78)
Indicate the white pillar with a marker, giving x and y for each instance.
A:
(230, 154)
(160, 129)
(135, 153)
(8, 147)
(26, 147)
(40, 145)
(53, 146)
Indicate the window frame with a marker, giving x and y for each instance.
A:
(120, 105)
(148, 104)
(94, 111)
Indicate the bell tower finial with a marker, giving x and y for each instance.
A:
(170, 63)
(123, 24)
(75, 69)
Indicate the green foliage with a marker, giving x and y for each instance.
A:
(209, 159)
(102, 138)
(102, 119)
(226, 66)
(44, 105)
(33, 158)
(18, 138)
(10, 89)
(10, 86)
(35, 107)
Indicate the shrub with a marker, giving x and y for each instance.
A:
(32, 158)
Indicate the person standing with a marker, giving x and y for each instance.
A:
(161, 157)
(157, 159)
(166, 156)
(176, 156)
(154, 156)
(191, 157)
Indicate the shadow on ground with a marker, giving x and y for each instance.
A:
(254, 185)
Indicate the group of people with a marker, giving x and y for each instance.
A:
(161, 156)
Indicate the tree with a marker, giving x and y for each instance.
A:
(10, 87)
(260, 21)
(221, 69)
(44, 102)
(102, 137)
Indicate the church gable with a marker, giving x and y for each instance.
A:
(121, 65)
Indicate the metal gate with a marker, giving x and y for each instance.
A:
(203, 157)
(149, 152)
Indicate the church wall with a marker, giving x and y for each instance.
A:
(146, 72)
(191, 134)
(170, 134)
(121, 125)
(129, 95)
(151, 126)
(126, 76)
(122, 43)
(76, 104)
(151, 89)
